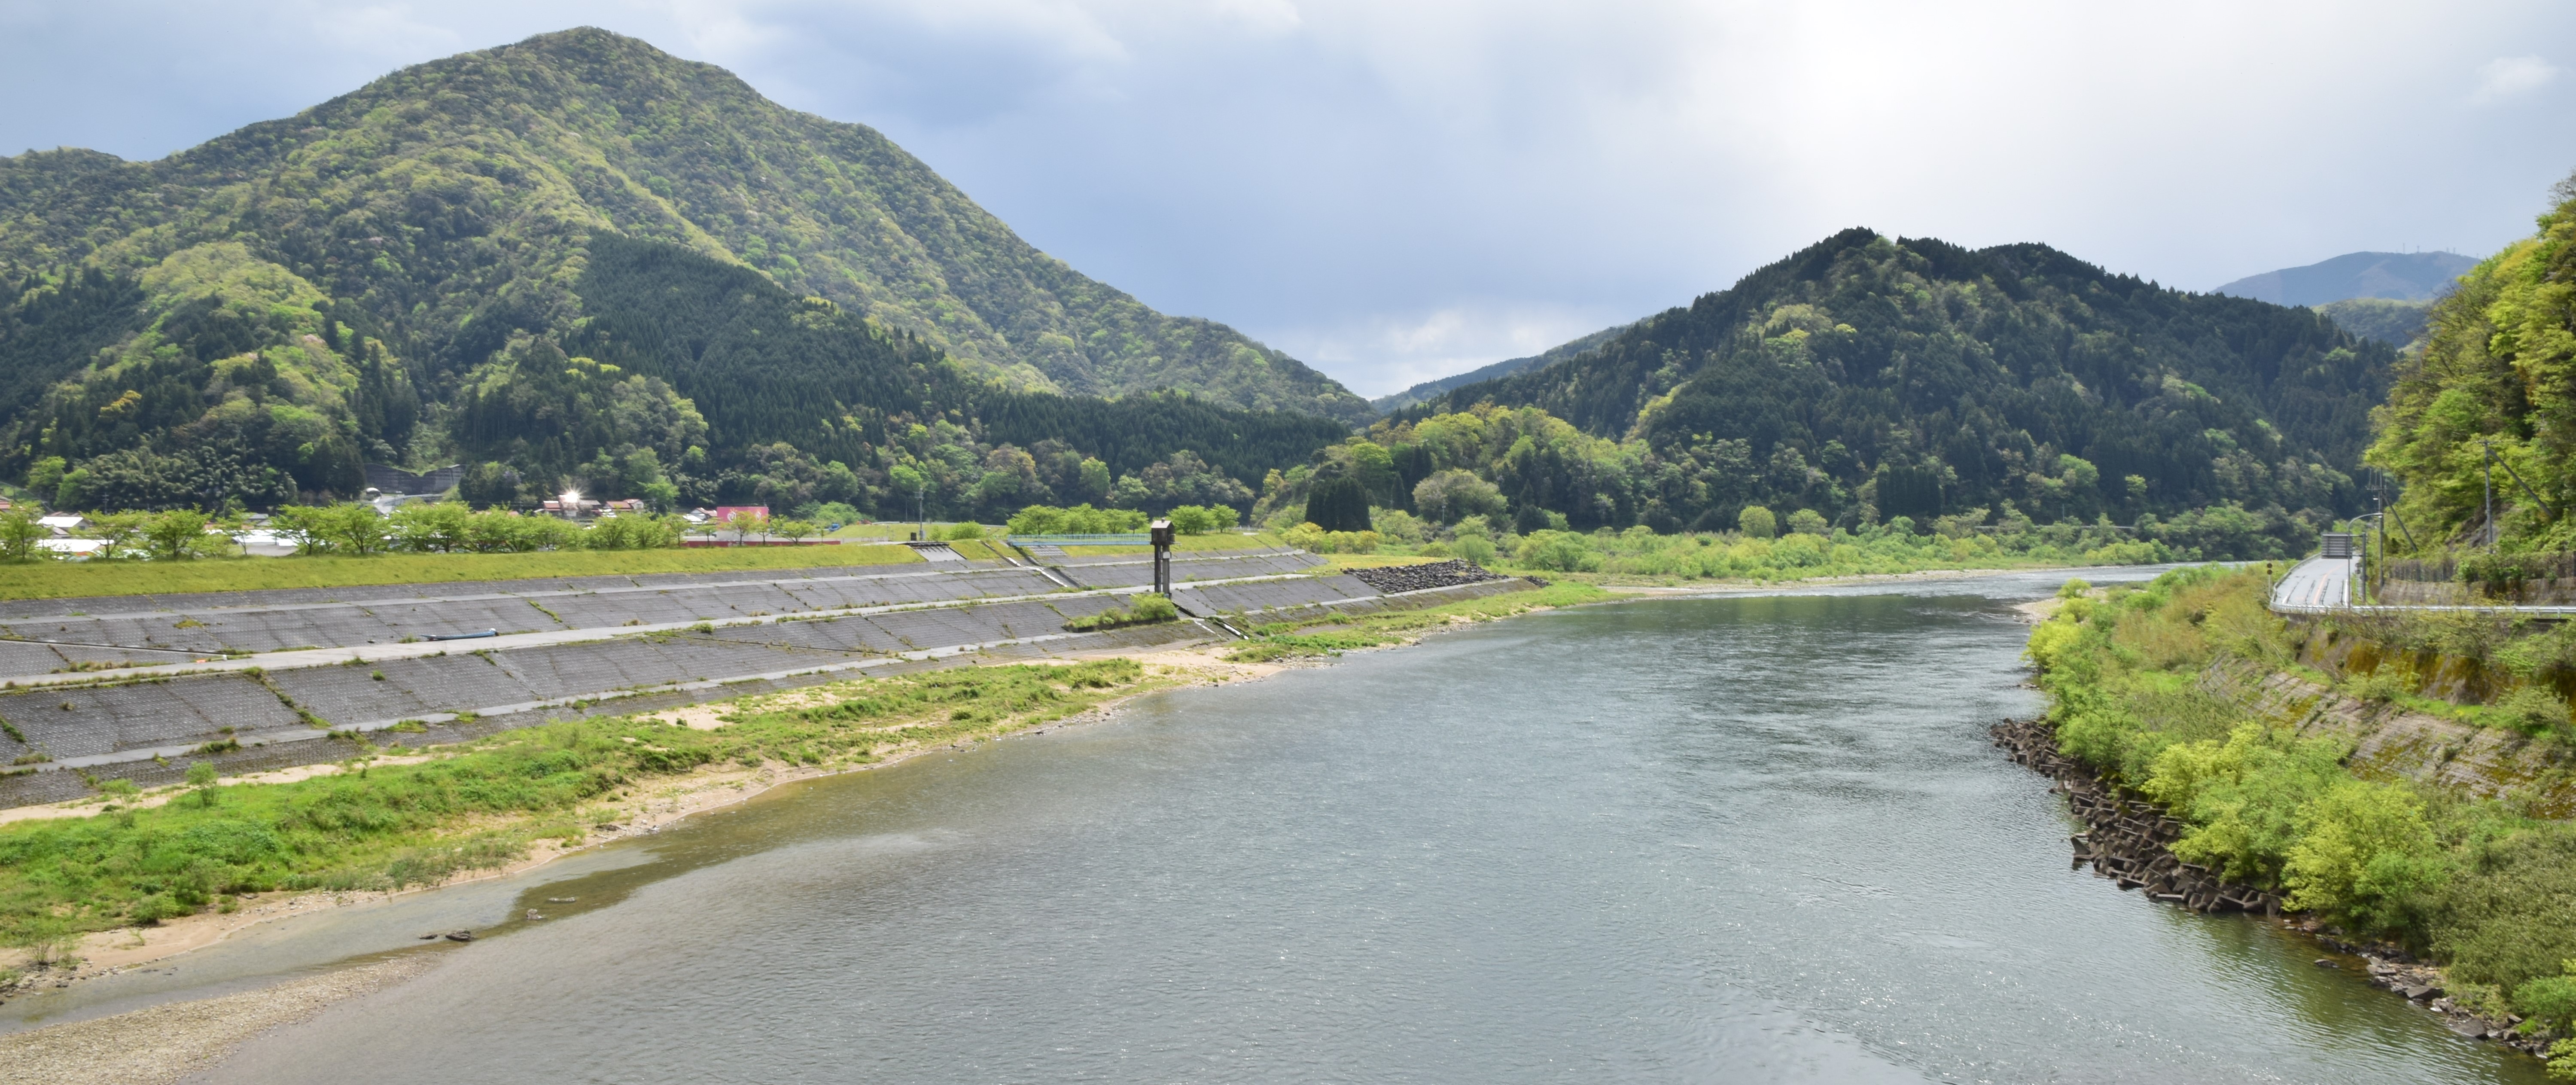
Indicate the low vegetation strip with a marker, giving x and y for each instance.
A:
(481, 805)
(1334, 634)
(2480, 884)
(1144, 608)
(59, 580)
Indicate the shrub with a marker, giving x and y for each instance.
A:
(2363, 851)
(631, 532)
(351, 529)
(1807, 522)
(1757, 522)
(1398, 525)
(1451, 495)
(1142, 609)
(2533, 710)
(1557, 550)
(1202, 519)
(19, 534)
(2550, 999)
(1079, 520)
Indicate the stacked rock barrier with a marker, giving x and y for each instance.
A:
(2127, 839)
(1441, 574)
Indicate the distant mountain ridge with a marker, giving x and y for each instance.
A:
(390, 277)
(1909, 376)
(1508, 366)
(2398, 276)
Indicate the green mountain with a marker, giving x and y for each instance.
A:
(364, 281)
(1869, 376)
(1504, 368)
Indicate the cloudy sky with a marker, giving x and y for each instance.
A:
(1395, 191)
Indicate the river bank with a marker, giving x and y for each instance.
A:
(646, 804)
(2129, 840)
(2428, 852)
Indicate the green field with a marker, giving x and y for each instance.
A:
(1214, 540)
(68, 579)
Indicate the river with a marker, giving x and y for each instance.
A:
(1730, 839)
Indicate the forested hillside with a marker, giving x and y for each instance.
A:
(2497, 371)
(1870, 377)
(2396, 323)
(394, 275)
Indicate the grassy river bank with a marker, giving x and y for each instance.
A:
(2385, 800)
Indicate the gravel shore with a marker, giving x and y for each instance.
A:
(162, 1044)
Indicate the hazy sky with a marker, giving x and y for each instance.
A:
(1394, 191)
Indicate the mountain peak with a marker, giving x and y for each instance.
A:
(504, 160)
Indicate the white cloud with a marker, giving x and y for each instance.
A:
(2507, 78)
(1380, 354)
(1334, 176)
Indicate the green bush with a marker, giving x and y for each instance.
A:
(1202, 519)
(2550, 999)
(1144, 608)
(1079, 520)
(2533, 710)
(19, 534)
(1558, 551)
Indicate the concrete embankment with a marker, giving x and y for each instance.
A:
(273, 680)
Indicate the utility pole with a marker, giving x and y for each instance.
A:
(2489, 445)
(921, 510)
(2379, 520)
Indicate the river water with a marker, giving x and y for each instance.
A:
(1731, 839)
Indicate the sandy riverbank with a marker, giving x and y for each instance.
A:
(164, 1043)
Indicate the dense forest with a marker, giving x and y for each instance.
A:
(1869, 377)
(2496, 373)
(683, 379)
(568, 256)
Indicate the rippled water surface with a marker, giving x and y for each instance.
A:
(1706, 839)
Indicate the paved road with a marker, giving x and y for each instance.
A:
(2322, 584)
(2316, 582)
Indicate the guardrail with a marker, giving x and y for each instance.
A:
(1135, 539)
(2277, 606)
